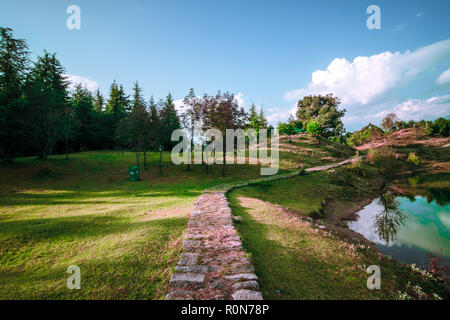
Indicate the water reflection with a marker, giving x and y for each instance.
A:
(439, 195)
(408, 227)
(390, 219)
(434, 187)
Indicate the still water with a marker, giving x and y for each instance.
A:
(407, 228)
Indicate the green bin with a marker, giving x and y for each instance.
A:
(134, 173)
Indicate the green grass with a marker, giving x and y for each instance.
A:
(304, 194)
(295, 261)
(125, 236)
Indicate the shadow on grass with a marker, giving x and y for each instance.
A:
(138, 269)
(67, 198)
(295, 264)
(73, 228)
(141, 272)
(284, 272)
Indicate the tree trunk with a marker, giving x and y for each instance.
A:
(6, 157)
(145, 159)
(203, 160)
(223, 164)
(67, 149)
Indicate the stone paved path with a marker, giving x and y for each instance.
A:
(213, 265)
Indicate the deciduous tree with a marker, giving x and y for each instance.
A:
(323, 110)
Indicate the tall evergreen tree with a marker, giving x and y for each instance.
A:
(155, 136)
(46, 98)
(133, 131)
(124, 100)
(85, 119)
(254, 120)
(98, 101)
(262, 120)
(169, 122)
(115, 112)
(13, 67)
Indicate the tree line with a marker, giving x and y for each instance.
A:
(39, 115)
(320, 116)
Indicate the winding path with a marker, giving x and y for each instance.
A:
(213, 264)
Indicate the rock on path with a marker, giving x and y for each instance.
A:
(213, 265)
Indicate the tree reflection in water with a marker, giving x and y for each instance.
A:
(440, 195)
(390, 219)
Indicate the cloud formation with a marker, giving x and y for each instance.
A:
(417, 109)
(444, 77)
(370, 85)
(88, 83)
(366, 78)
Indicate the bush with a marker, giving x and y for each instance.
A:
(412, 157)
(366, 134)
(313, 128)
(441, 127)
(342, 177)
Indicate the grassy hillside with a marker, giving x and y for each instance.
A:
(125, 236)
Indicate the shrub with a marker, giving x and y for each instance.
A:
(342, 177)
(412, 157)
(366, 134)
(441, 127)
(313, 128)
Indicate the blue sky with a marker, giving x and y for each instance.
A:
(266, 52)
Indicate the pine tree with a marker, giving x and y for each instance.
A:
(133, 131)
(115, 112)
(13, 67)
(138, 100)
(46, 99)
(262, 120)
(83, 109)
(98, 101)
(155, 136)
(169, 122)
(124, 100)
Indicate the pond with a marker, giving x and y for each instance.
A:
(408, 228)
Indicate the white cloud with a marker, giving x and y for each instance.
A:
(367, 78)
(419, 14)
(88, 83)
(240, 99)
(418, 109)
(179, 106)
(277, 114)
(444, 77)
